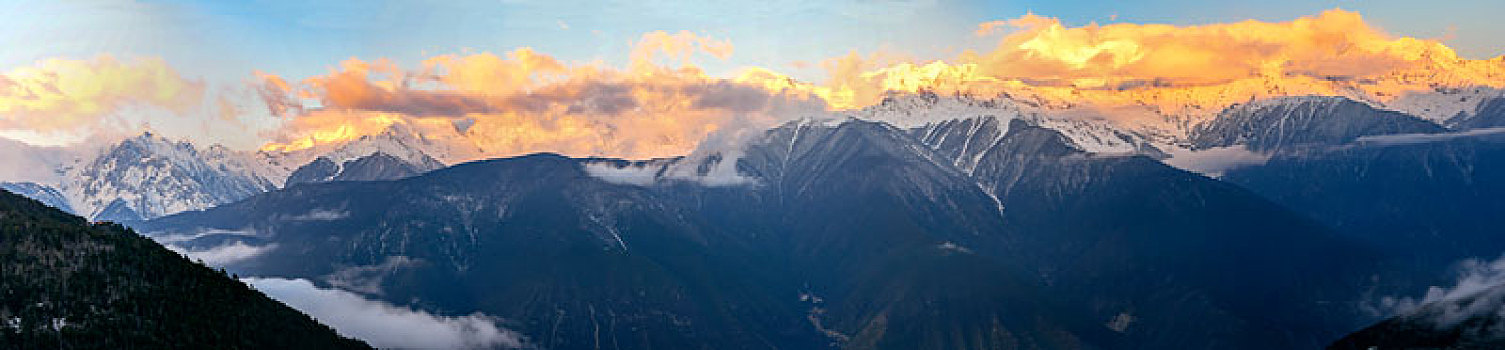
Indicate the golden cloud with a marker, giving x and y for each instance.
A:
(59, 95)
(525, 101)
(1178, 69)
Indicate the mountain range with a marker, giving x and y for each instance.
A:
(925, 221)
(148, 176)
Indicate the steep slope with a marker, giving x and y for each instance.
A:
(1097, 224)
(881, 232)
(1434, 200)
(572, 261)
(69, 284)
(1418, 192)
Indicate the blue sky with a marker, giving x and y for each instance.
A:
(224, 41)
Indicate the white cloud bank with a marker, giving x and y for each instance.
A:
(224, 254)
(1478, 292)
(1412, 139)
(386, 326)
(631, 174)
(1214, 162)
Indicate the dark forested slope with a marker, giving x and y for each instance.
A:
(66, 283)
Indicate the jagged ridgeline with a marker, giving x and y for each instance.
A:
(67, 283)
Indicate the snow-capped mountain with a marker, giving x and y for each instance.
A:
(398, 142)
(150, 176)
(1091, 133)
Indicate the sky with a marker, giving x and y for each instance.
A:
(223, 51)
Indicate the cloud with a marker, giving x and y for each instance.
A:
(27, 163)
(1479, 291)
(1174, 69)
(318, 214)
(625, 174)
(1334, 43)
(384, 325)
(1215, 161)
(989, 27)
(525, 101)
(368, 278)
(178, 237)
(224, 254)
(1413, 139)
(65, 96)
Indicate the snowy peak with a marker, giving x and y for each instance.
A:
(150, 176)
(919, 109)
(400, 143)
(390, 144)
(928, 111)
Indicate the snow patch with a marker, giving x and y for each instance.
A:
(1120, 323)
(953, 247)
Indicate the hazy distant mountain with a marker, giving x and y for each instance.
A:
(70, 284)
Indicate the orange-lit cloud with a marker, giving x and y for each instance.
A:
(1180, 69)
(75, 96)
(526, 101)
(989, 27)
